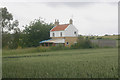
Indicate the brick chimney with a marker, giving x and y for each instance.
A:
(56, 22)
(70, 21)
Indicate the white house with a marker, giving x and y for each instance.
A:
(65, 34)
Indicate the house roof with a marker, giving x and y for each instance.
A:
(60, 27)
(61, 40)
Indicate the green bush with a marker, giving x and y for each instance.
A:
(99, 38)
(82, 43)
(95, 45)
(42, 49)
(92, 37)
(58, 47)
(12, 45)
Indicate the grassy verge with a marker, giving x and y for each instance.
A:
(25, 51)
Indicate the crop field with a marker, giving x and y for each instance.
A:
(76, 63)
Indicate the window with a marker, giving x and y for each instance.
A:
(75, 32)
(61, 34)
(67, 43)
(53, 34)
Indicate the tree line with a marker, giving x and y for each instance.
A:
(13, 37)
(37, 30)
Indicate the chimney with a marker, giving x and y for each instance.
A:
(56, 22)
(70, 21)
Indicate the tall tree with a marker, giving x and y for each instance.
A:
(6, 19)
(15, 36)
(37, 31)
(8, 25)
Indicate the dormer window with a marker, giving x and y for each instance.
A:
(61, 34)
(53, 34)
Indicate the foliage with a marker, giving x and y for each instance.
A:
(10, 30)
(5, 39)
(33, 50)
(92, 37)
(33, 33)
(86, 37)
(59, 47)
(82, 43)
(77, 63)
(99, 38)
(37, 31)
(7, 21)
(106, 35)
(10, 40)
(25, 50)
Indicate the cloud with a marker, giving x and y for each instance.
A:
(76, 4)
(59, 0)
(69, 4)
(89, 17)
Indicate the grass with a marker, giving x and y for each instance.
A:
(32, 50)
(77, 63)
(25, 50)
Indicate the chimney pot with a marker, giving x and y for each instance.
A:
(70, 21)
(56, 22)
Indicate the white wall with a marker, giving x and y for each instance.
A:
(57, 33)
(69, 31)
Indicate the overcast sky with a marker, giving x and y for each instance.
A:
(90, 18)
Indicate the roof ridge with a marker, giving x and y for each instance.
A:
(60, 27)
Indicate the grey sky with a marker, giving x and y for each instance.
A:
(90, 18)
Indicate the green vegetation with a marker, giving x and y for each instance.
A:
(116, 37)
(82, 43)
(10, 30)
(77, 63)
(30, 36)
(25, 50)
(113, 37)
(37, 31)
(52, 62)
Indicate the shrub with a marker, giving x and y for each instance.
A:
(12, 45)
(94, 45)
(58, 47)
(92, 37)
(106, 35)
(42, 49)
(87, 37)
(99, 38)
(82, 43)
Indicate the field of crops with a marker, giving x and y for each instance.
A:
(77, 63)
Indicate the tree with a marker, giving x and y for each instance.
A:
(35, 32)
(15, 37)
(106, 35)
(6, 19)
(9, 29)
